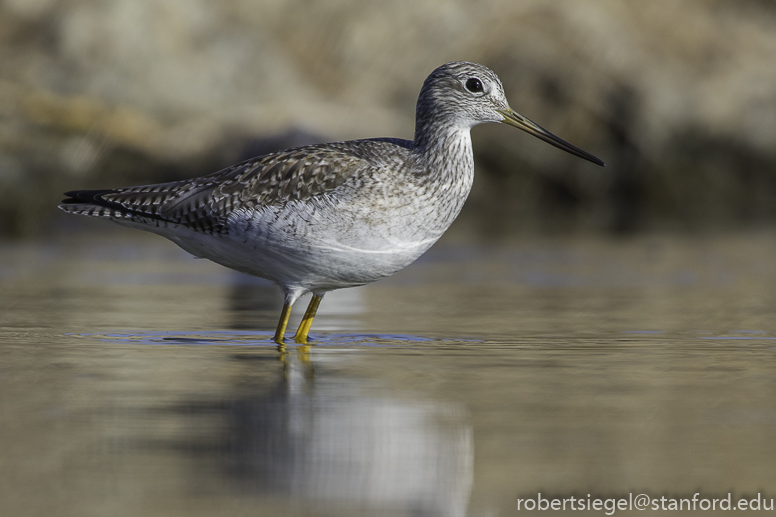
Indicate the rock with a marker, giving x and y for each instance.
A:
(677, 97)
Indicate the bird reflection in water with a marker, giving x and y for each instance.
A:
(317, 436)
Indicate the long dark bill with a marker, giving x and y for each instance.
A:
(515, 119)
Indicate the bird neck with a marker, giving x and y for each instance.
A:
(444, 172)
(442, 140)
(434, 122)
(445, 149)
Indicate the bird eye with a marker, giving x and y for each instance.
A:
(474, 85)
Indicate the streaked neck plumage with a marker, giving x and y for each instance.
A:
(444, 152)
(442, 132)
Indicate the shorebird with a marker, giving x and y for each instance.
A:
(328, 216)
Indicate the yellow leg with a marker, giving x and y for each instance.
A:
(307, 321)
(282, 324)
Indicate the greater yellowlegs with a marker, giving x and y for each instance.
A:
(323, 217)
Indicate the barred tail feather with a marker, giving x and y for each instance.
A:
(93, 203)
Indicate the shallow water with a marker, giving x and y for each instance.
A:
(135, 380)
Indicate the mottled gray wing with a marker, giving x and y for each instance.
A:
(205, 203)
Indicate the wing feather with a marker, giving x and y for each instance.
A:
(204, 203)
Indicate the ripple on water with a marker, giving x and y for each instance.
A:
(251, 338)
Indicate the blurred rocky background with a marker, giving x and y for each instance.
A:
(679, 98)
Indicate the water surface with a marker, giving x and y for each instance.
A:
(136, 380)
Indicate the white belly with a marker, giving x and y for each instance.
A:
(317, 250)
